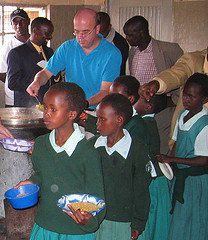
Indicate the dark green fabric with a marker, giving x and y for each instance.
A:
(126, 183)
(91, 124)
(154, 135)
(136, 127)
(57, 174)
(154, 142)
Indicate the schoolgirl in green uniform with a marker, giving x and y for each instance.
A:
(126, 178)
(64, 163)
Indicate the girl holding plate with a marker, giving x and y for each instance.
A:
(126, 176)
(190, 159)
(64, 163)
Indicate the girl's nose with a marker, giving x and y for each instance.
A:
(46, 112)
(97, 123)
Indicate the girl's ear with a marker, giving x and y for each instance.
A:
(149, 108)
(72, 115)
(131, 99)
(120, 120)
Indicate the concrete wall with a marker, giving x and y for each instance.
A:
(62, 18)
(190, 21)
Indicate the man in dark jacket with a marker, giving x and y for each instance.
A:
(115, 38)
(24, 62)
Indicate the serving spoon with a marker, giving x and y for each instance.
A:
(40, 106)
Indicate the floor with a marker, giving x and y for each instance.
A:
(2, 229)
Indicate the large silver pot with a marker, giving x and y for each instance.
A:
(25, 123)
(17, 116)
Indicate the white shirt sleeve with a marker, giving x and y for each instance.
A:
(3, 58)
(175, 133)
(201, 143)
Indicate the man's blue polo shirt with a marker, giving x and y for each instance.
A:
(88, 71)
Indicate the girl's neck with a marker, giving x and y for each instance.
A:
(62, 135)
(191, 114)
(113, 139)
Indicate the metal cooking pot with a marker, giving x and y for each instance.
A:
(17, 116)
(24, 123)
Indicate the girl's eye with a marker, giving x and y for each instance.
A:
(53, 110)
(101, 119)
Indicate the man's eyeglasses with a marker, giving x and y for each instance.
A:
(84, 34)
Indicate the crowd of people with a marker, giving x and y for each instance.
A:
(155, 115)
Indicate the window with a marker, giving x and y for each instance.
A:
(6, 30)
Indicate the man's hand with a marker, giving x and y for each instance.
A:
(33, 89)
(40, 79)
(149, 89)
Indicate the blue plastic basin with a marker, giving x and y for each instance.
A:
(23, 201)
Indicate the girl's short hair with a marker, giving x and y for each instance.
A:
(159, 102)
(202, 80)
(121, 105)
(131, 85)
(74, 96)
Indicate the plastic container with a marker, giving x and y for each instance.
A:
(23, 197)
(16, 145)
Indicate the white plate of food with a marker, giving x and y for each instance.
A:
(166, 170)
(84, 202)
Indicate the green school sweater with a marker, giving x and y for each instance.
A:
(57, 174)
(154, 135)
(126, 184)
(136, 127)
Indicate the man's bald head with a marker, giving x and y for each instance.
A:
(87, 13)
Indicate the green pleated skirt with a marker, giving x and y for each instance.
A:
(39, 233)
(157, 225)
(189, 220)
(110, 230)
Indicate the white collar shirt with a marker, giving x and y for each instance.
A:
(71, 143)
(122, 146)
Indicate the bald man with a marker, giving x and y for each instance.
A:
(89, 60)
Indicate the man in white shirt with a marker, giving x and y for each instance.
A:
(20, 22)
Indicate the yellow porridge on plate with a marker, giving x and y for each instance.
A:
(84, 206)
